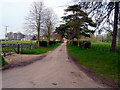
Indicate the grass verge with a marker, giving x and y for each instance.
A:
(2, 61)
(40, 50)
(104, 45)
(104, 64)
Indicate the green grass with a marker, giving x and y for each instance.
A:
(105, 45)
(104, 64)
(19, 42)
(9, 49)
(40, 50)
(2, 61)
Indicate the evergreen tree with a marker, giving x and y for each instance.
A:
(76, 23)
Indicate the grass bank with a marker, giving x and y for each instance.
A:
(104, 64)
(40, 50)
(2, 61)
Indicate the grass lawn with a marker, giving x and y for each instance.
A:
(105, 45)
(104, 64)
(19, 42)
(40, 49)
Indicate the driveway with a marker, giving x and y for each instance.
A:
(53, 71)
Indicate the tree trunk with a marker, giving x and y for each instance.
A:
(38, 37)
(47, 43)
(113, 46)
(48, 38)
(78, 42)
(72, 41)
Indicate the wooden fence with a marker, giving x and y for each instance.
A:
(9, 49)
(105, 48)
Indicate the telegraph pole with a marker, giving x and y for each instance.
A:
(5, 33)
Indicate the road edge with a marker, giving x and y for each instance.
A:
(90, 73)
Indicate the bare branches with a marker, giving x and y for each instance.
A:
(50, 21)
(35, 19)
(40, 20)
(101, 13)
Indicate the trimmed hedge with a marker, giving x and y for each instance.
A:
(84, 44)
(44, 43)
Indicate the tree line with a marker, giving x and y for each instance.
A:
(85, 14)
(79, 17)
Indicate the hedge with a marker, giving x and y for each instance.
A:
(84, 44)
(44, 43)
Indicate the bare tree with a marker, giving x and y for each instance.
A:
(34, 20)
(50, 22)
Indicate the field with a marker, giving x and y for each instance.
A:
(104, 64)
(19, 42)
(102, 46)
(40, 49)
(12, 46)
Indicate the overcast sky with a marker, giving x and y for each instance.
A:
(13, 13)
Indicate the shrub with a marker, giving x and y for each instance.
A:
(44, 43)
(75, 43)
(52, 42)
(58, 41)
(85, 44)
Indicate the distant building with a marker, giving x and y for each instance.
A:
(56, 37)
(20, 36)
(42, 38)
(15, 36)
(10, 36)
(25, 39)
(29, 36)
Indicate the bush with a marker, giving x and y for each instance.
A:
(84, 44)
(58, 41)
(44, 43)
(75, 43)
(52, 42)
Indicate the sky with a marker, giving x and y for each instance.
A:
(13, 13)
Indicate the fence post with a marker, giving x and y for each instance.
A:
(18, 48)
(5, 51)
(21, 47)
(32, 46)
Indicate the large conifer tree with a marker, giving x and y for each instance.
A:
(76, 23)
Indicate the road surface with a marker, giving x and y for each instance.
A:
(53, 71)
